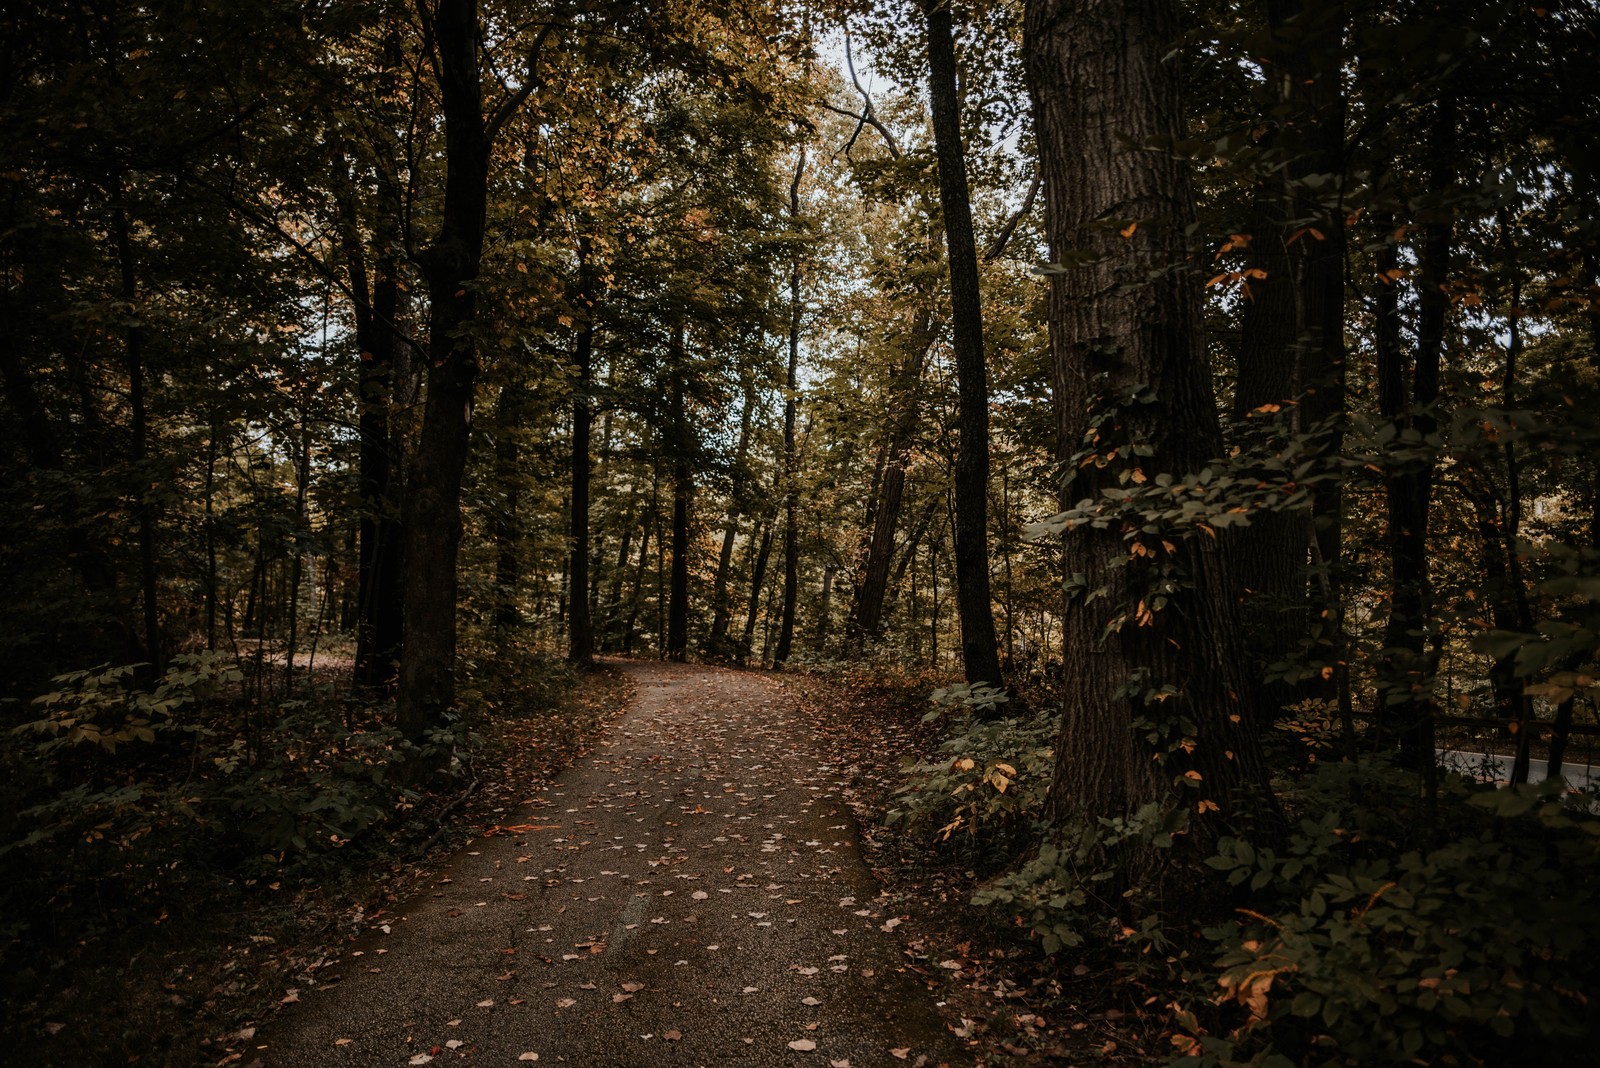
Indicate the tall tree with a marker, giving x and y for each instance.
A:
(791, 458)
(451, 264)
(980, 654)
(1151, 643)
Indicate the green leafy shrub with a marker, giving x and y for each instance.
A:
(1368, 941)
(990, 782)
(1069, 889)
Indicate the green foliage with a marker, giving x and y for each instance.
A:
(105, 706)
(1367, 940)
(991, 782)
(133, 788)
(1068, 891)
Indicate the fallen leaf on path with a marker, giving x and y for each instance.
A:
(343, 1041)
(618, 999)
(901, 1053)
(810, 1001)
(671, 1036)
(843, 1062)
(632, 987)
(565, 1003)
(891, 924)
(421, 1058)
(485, 1003)
(528, 1057)
(454, 1043)
(803, 1045)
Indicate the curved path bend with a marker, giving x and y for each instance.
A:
(691, 893)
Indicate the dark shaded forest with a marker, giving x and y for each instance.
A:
(1201, 402)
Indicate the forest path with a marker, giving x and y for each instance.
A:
(690, 893)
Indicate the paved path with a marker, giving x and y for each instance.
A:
(690, 894)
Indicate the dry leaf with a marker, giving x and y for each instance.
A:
(803, 1045)
(901, 1052)
(527, 1056)
(671, 1036)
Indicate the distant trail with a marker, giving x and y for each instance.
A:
(689, 894)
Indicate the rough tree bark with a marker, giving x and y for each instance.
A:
(1101, 91)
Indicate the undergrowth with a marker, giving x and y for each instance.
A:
(145, 823)
(1387, 928)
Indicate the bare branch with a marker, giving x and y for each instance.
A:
(868, 115)
(1003, 238)
(530, 82)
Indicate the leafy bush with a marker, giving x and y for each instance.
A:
(134, 787)
(1367, 943)
(1069, 889)
(991, 781)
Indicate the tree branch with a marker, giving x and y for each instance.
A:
(530, 82)
(1003, 238)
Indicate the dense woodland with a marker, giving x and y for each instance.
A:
(1205, 397)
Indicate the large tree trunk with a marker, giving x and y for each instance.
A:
(791, 490)
(433, 491)
(980, 654)
(1133, 666)
(581, 622)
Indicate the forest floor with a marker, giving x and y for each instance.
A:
(694, 872)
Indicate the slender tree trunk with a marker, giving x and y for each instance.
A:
(677, 643)
(380, 577)
(980, 653)
(1101, 90)
(637, 600)
(433, 491)
(302, 484)
(139, 456)
(722, 612)
(824, 607)
(1405, 683)
(581, 626)
(758, 578)
(1291, 354)
(791, 489)
(506, 521)
(867, 600)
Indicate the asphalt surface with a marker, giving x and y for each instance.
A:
(689, 894)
